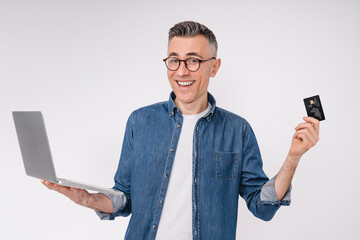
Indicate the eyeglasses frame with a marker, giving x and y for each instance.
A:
(200, 61)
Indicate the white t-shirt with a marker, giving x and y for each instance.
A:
(176, 217)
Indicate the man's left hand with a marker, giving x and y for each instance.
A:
(305, 137)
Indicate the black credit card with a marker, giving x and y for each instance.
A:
(314, 108)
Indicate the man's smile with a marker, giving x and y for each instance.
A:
(185, 83)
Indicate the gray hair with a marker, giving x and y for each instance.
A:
(192, 29)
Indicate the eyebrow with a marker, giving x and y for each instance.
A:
(172, 54)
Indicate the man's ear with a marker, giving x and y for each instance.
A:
(215, 67)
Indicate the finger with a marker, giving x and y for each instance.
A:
(304, 125)
(306, 132)
(49, 185)
(76, 189)
(315, 122)
(306, 136)
(310, 127)
(305, 141)
(305, 144)
(45, 183)
(56, 187)
(62, 189)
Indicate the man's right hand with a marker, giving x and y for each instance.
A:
(98, 202)
(79, 196)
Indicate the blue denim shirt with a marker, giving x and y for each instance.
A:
(226, 164)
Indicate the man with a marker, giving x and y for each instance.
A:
(184, 162)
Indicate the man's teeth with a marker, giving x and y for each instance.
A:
(185, 83)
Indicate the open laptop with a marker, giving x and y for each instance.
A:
(36, 154)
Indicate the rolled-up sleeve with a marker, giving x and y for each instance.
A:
(268, 194)
(118, 202)
(255, 187)
(122, 203)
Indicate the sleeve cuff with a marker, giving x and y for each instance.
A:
(118, 202)
(268, 194)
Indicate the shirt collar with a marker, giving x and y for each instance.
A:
(172, 106)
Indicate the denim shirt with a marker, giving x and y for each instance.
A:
(226, 164)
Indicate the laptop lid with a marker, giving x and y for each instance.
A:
(34, 145)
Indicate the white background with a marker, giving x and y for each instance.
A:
(88, 64)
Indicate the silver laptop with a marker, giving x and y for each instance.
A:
(35, 151)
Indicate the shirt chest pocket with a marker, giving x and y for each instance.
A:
(227, 165)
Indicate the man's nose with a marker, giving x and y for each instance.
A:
(182, 70)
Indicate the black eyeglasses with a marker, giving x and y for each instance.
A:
(192, 64)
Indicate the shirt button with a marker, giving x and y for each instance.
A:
(195, 206)
(178, 125)
(171, 150)
(178, 110)
(154, 226)
(195, 233)
(160, 201)
(172, 113)
(166, 176)
(195, 180)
